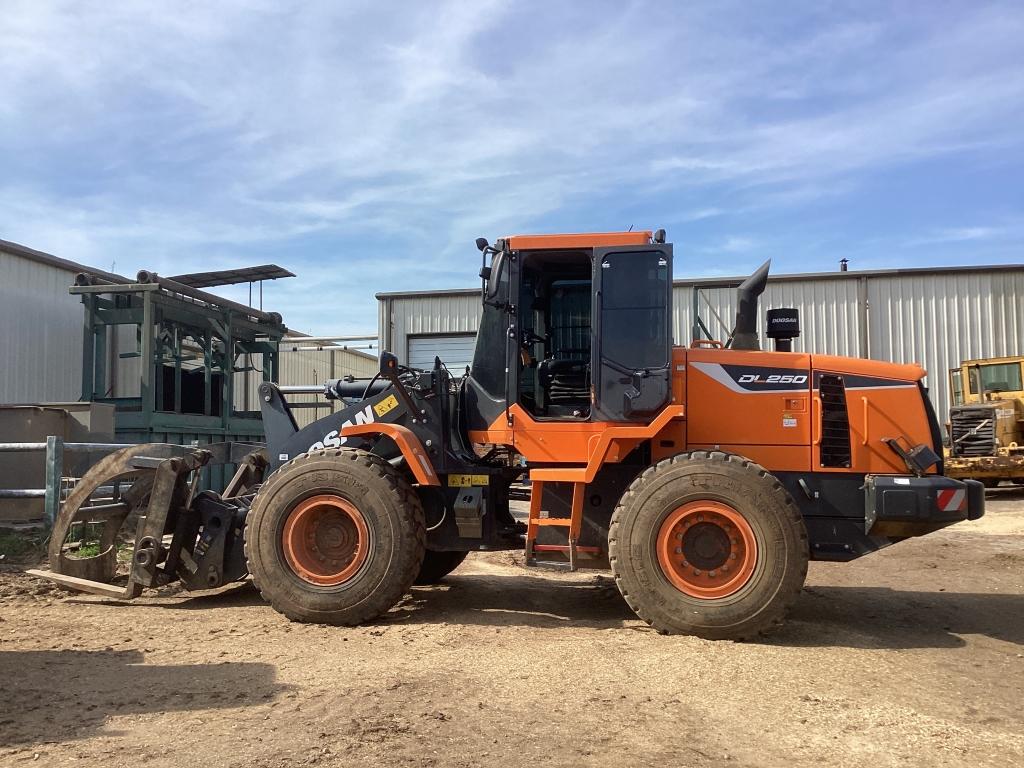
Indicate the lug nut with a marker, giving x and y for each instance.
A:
(679, 550)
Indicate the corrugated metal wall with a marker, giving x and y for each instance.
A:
(454, 312)
(939, 320)
(315, 367)
(932, 318)
(828, 314)
(40, 333)
(829, 320)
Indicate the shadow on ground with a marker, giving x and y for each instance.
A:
(240, 595)
(55, 696)
(878, 617)
(1005, 492)
(855, 617)
(839, 616)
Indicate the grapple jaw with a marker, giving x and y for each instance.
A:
(147, 495)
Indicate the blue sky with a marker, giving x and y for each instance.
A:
(365, 145)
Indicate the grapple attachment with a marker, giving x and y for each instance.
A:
(147, 498)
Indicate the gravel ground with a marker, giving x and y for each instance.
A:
(913, 656)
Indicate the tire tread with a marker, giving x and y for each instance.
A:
(768, 622)
(405, 500)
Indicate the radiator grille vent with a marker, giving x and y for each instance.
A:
(973, 430)
(835, 422)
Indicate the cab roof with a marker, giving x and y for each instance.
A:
(579, 240)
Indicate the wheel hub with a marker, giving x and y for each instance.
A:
(706, 549)
(706, 546)
(325, 540)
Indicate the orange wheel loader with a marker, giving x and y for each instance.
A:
(705, 477)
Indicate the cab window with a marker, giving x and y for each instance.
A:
(1000, 377)
(956, 386)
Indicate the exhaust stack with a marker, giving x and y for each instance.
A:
(744, 335)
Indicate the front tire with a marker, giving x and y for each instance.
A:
(335, 537)
(708, 544)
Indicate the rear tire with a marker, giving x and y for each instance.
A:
(335, 537)
(437, 565)
(714, 509)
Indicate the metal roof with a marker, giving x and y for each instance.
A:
(74, 267)
(232, 276)
(56, 261)
(729, 282)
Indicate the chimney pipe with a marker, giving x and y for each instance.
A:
(745, 334)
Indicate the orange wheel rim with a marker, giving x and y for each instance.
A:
(325, 540)
(707, 549)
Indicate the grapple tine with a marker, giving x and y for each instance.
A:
(167, 504)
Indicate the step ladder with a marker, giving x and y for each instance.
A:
(574, 523)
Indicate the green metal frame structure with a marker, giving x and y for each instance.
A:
(176, 325)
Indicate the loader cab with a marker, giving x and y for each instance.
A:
(574, 328)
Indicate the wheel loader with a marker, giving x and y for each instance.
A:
(704, 477)
(986, 420)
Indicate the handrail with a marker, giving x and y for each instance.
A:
(54, 448)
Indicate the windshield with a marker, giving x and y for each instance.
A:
(1002, 377)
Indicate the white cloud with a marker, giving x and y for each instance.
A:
(332, 137)
(733, 244)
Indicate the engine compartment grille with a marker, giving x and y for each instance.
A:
(835, 421)
(973, 430)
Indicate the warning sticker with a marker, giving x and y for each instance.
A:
(386, 405)
(788, 420)
(465, 481)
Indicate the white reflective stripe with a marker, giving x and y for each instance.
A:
(954, 501)
(426, 464)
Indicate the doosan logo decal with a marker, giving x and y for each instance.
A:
(333, 440)
(757, 378)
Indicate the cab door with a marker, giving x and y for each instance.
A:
(631, 348)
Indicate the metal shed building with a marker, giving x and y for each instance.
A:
(932, 316)
(41, 340)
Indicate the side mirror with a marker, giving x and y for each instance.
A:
(494, 277)
(481, 243)
(388, 365)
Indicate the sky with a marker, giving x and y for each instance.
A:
(365, 145)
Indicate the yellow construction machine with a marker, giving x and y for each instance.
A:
(986, 420)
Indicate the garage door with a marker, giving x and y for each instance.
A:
(455, 351)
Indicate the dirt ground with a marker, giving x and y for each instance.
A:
(913, 656)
